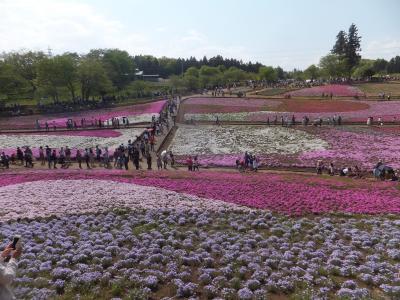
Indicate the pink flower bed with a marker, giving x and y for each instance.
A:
(289, 194)
(103, 114)
(104, 133)
(228, 105)
(386, 110)
(338, 90)
(363, 146)
(153, 107)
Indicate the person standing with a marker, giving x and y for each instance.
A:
(190, 163)
(136, 158)
(152, 142)
(54, 159)
(195, 164)
(159, 162)
(255, 163)
(20, 155)
(171, 155)
(87, 158)
(91, 157)
(148, 161)
(164, 158)
(126, 158)
(78, 158)
(48, 156)
(106, 158)
(8, 270)
(68, 155)
(41, 156)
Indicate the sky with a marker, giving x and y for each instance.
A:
(286, 33)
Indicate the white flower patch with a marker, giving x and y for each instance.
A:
(63, 197)
(238, 116)
(203, 140)
(78, 142)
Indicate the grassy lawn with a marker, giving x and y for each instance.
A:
(373, 89)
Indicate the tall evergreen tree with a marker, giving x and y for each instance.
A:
(353, 47)
(341, 44)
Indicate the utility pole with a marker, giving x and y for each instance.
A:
(49, 53)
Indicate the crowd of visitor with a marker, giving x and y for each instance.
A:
(247, 162)
(136, 150)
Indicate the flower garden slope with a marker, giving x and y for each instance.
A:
(200, 140)
(135, 113)
(161, 253)
(63, 197)
(88, 139)
(338, 90)
(289, 194)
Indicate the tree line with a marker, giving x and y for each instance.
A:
(101, 72)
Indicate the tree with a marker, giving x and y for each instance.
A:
(26, 65)
(176, 82)
(209, 76)
(332, 65)
(268, 74)
(394, 65)
(192, 71)
(380, 65)
(347, 48)
(139, 87)
(234, 74)
(341, 44)
(280, 73)
(353, 47)
(11, 83)
(119, 66)
(364, 69)
(50, 77)
(93, 78)
(312, 72)
(68, 65)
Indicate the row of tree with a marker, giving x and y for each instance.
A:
(28, 74)
(105, 71)
(113, 71)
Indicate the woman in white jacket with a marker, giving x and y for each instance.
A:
(8, 271)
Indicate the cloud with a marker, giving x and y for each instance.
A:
(62, 25)
(74, 26)
(385, 48)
